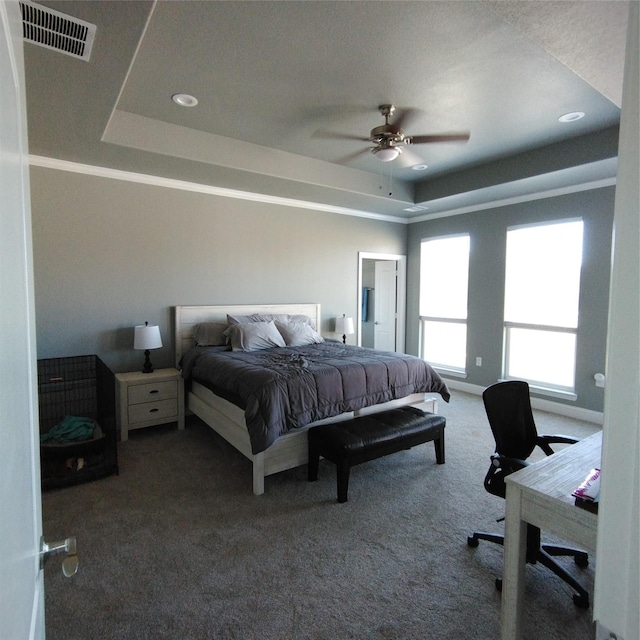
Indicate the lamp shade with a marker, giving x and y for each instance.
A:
(146, 337)
(386, 154)
(344, 325)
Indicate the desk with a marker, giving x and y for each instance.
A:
(540, 495)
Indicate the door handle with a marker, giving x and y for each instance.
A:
(68, 546)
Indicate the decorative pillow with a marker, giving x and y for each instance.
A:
(210, 334)
(297, 334)
(258, 317)
(301, 318)
(252, 336)
(268, 317)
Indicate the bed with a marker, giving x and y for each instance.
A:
(274, 444)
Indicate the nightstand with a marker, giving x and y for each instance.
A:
(147, 399)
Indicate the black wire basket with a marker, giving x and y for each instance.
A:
(82, 388)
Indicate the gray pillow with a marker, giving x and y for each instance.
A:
(253, 336)
(297, 334)
(210, 334)
(301, 318)
(267, 317)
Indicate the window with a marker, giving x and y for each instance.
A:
(443, 301)
(542, 287)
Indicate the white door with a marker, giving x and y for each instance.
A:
(21, 582)
(384, 331)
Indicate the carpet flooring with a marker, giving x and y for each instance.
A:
(177, 546)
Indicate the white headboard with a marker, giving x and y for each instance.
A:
(187, 317)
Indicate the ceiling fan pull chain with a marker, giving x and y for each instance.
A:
(382, 176)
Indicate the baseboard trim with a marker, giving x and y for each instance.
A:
(560, 408)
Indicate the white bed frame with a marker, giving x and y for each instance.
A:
(227, 420)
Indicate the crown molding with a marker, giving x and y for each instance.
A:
(183, 185)
(528, 197)
(170, 183)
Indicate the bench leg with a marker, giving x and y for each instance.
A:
(342, 471)
(314, 460)
(438, 443)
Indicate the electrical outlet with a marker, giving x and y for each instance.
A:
(602, 633)
(478, 361)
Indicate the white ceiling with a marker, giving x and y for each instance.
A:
(271, 77)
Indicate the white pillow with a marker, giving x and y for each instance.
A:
(297, 334)
(254, 336)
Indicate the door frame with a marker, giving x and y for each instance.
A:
(401, 294)
(21, 576)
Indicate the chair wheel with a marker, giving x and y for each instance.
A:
(472, 541)
(499, 585)
(582, 560)
(581, 601)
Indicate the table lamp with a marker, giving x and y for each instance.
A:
(344, 325)
(147, 337)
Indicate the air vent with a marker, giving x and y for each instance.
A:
(54, 30)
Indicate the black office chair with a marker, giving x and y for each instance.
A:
(508, 408)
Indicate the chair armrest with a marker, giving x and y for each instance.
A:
(501, 467)
(509, 465)
(543, 441)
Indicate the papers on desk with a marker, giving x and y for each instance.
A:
(587, 495)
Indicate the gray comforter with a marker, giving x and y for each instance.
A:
(288, 387)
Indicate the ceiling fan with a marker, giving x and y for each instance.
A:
(390, 140)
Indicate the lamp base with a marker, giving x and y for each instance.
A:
(344, 339)
(147, 367)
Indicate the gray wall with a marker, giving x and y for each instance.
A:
(110, 254)
(487, 230)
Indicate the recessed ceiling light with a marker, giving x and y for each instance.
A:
(572, 117)
(419, 167)
(184, 100)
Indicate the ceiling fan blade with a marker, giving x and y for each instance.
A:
(335, 135)
(442, 137)
(353, 156)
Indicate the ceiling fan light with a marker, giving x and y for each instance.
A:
(386, 154)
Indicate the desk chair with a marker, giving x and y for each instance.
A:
(508, 408)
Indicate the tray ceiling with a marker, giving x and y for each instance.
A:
(269, 77)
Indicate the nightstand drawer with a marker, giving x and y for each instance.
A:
(153, 410)
(153, 391)
(148, 399)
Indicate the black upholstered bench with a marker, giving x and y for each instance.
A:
(372, 436)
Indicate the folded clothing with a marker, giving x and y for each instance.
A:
(70, 429)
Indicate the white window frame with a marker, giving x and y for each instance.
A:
(540, 385)
(449, 369)
(438, 366)
(546, 387)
